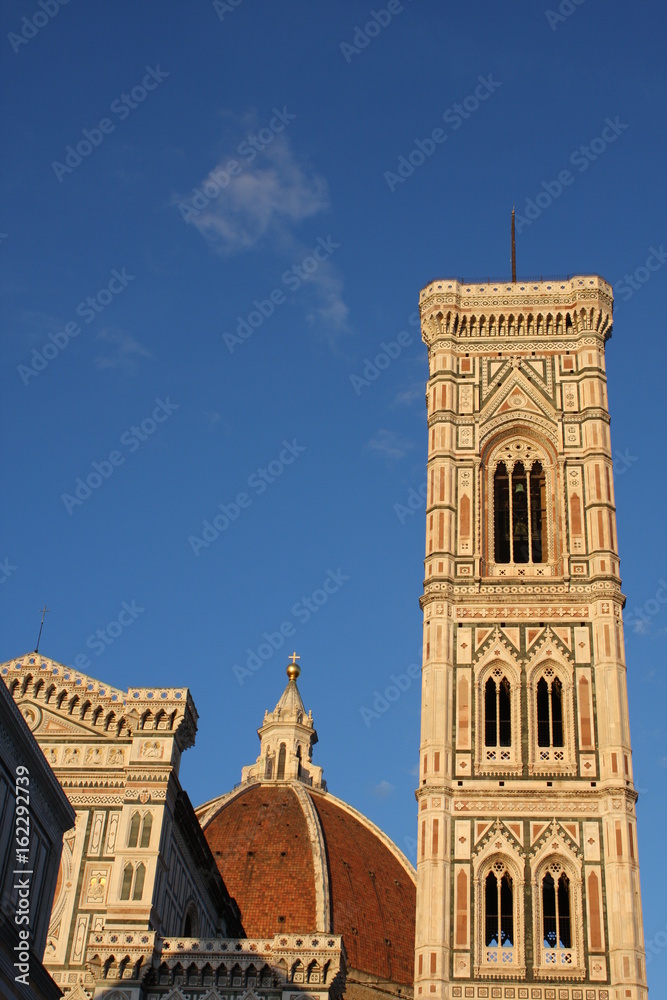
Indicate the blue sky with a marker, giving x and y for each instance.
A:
(210, 266)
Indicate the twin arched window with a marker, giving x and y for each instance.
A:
(557, 931)
(499, 915)
(550, 720)
(132, 886)
(501, 937)
(556, 912)
(520, 513)
(140, 830)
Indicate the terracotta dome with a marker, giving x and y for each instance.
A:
(299, 860)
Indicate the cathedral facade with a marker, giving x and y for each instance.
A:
(274, 890)
(528, 879)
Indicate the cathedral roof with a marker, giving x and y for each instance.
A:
(299, 860)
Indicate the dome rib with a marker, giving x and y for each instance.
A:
(320, 861)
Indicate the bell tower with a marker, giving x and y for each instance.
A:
(528, 876)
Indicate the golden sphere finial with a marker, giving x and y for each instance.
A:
(293, 668)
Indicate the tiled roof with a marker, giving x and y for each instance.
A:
(262, 849)
(373, 896)
(260, 840)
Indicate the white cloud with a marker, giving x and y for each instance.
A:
(383, 790)
(411, 393)
(329, 315)
(268, 197)
(125, 353)
(263, 206)
(212, 418)
(390, 444)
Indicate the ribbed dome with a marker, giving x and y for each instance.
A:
(297, 859)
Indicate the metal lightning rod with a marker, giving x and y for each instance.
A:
(45, 611)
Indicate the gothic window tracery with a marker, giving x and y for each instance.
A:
(498, 741)
(549, 711)
(556, 913)
(132, 886)
(551, 720)
(497, 714)
(520, 514)
(558, 916)
(499, 916)
(499, 922)
(518, 483)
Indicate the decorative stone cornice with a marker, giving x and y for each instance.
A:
(90, 703)
(302, 963)
(510, 312)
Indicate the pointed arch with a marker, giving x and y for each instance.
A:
(126, 884)
(498, 715)
(551, 719)
(146, 827)
(499, 909)
(557, 909)
(139, 878)
(133, 835)
(519, 490)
